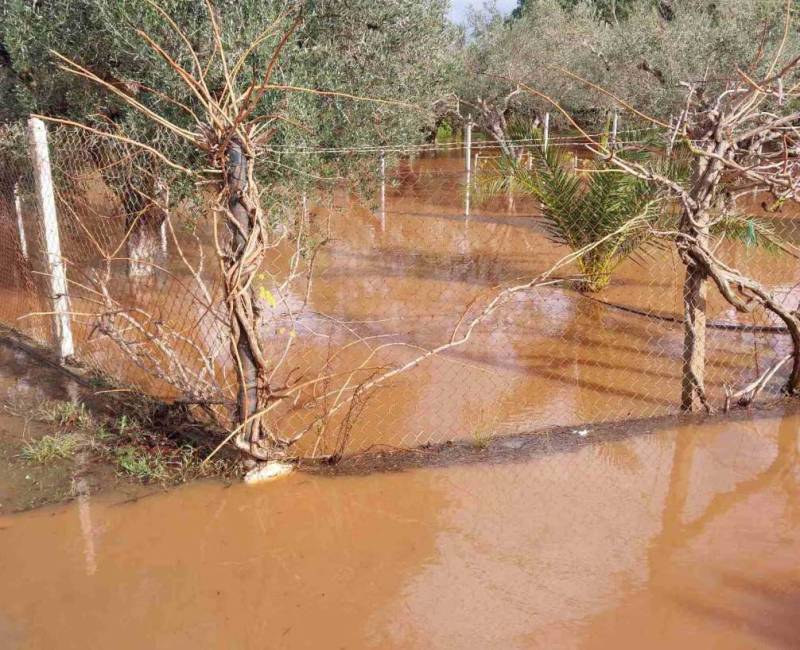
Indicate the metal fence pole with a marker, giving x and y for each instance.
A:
(40, 156)
(614, 128)
(468, 145)
(23, 241)
(546, 138)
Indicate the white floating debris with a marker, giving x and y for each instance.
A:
(268, 472)
(582, 432)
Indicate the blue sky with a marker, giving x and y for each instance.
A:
(458, 8)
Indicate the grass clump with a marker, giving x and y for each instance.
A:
(46, 449)
(146, 466)
(68, 415)
(135, 445)
(481, 439)
(170, 465)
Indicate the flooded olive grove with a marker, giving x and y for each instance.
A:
(396, 278)
(514, 302)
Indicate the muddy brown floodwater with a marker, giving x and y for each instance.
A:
(401, 278)
(684, 538)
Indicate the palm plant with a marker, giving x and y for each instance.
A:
(599, 202)
(580, 207)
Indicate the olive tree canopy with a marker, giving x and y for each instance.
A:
(641, 51)
(392, 50)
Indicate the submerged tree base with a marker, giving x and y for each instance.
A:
(266, 472)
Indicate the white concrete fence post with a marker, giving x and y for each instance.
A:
(468, 164)
(23, 240)
(468, 188)
(40, 156)
(673, 126)
(162, 230)
(383, 190)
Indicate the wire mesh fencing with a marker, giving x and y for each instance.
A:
(400, 320)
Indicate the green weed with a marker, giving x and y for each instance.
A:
(148, 467)
(481, 439)
(69, 415)
(125, 425)
(49, 448)
(444, 132)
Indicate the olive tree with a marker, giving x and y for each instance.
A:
(739, 124)
(349, 46)
(246, 93)
(653, 53)
(640, 50)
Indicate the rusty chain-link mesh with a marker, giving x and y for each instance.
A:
(352, 289)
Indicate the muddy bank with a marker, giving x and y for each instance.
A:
(687, 537)
(63, 436)
(487, 447)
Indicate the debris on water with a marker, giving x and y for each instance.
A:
(268, 472)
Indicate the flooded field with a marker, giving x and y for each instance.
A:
(396, 278)
(316, 335)
(684, 538)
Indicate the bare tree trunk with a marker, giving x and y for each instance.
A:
(240, 234)
(143, 248)
(695, 292)
(145, 211)
(492, 119)
(695, 222)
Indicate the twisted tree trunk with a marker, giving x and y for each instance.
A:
(240, 266)
(695, 293)
(695, 223)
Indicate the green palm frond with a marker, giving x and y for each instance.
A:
(750, 231)
(601, 203)
(581, 207)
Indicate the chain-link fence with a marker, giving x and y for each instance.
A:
(356, 293)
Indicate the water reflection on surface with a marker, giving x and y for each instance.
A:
(683, 538)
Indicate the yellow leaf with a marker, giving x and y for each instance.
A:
(266, 294)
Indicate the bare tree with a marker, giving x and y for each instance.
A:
(742, 136)
(226, 123)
